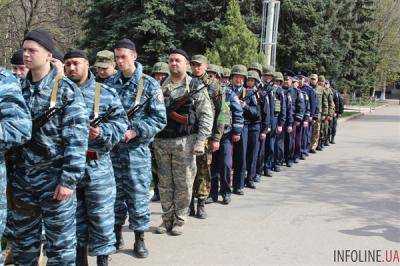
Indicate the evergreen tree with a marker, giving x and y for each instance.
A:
(237, 45)
(145, 22)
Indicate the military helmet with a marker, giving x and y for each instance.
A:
(321, 78)
(226, 72)
(160, 67)
(278, 76)
(256, 66)
(239, 70)
(254, 75)
(268, 70)
(214, 68)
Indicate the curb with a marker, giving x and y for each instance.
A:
(365, 112)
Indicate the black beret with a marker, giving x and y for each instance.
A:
(57, 54)
(18, 58)
(75, 54)
(125, 43)
(42, 37)
(179, 51)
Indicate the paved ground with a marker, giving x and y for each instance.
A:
(346, 197)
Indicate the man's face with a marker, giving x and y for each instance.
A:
(106, 72)
(278, 83)
(35, 55)
(159, 77)
(296, 84)
(76, 69)
(238, 80)
(20, 71)
(321, 83)
(313, 81)
(198, 69)
(287, 83)
(125, 58)
(250, 82)
(177, 64)
(213, 75)
(267, 78)
(301, 82)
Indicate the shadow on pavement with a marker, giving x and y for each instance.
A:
(390, 233)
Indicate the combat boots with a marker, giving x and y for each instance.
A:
(201, 212)
(102, 260)
(139, 248)
(333, 140)
(81, 256)
(119, 241)
(192, 211)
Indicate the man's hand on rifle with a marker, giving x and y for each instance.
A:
(94, 133)
(129, 135)
(62, 193)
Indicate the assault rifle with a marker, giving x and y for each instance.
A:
(104, 118)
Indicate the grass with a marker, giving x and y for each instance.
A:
(347, 114)
(366, 103)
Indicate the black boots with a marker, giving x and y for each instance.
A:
(119, 243)
(192, 211)
(139, 248)
(81, 256)
(333, 140)
(250, 183)
(201, 212)
(102, 260)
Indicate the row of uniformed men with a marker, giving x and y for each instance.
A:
(200, 119)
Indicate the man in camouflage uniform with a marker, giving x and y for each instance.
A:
(327, 110)
(190, 121)
(160, 72)
(201, 185)
(255, 66)
(132, 158)
(16, 126)
(105, 66)
(331, 111)
(320, 112)
(96, 190)
(18, 67)
(51, 163)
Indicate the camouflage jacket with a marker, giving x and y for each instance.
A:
(65, 135)
(220, 107)
(15, 118)
(151, 117)
(201, 103)
(113, 130)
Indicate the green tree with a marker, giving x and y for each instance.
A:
(148, 23)
(237, 45)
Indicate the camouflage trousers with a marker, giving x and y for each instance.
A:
(202, 181)
(3, 201)
(95, 211)
(132, 171)
(315, 134)
(35, 210)
(176, 171)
